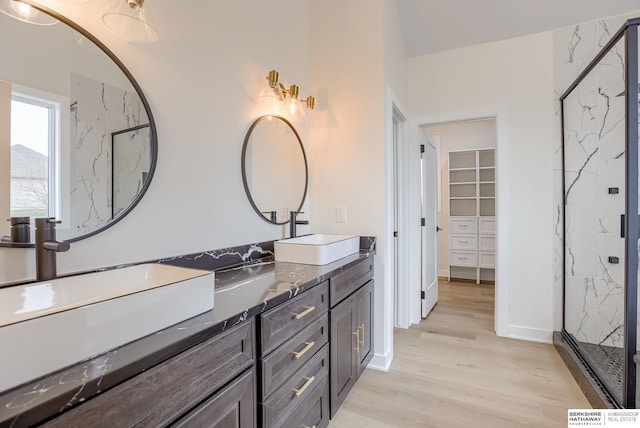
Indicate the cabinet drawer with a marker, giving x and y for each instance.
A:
(295, 391)
(487, 259)
(314, 411)
(488, 225)
(157, 396)
(463, 225)
(487, 243)
(233, 406)
(282, 322)
(463, 242)
(463, 258)
(293, 354)
(345, 283)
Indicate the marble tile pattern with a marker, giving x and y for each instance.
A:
(594, 155)
(248, 282)
(97, 110)
(131, 166)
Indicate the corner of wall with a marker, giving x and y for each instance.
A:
(381, 362)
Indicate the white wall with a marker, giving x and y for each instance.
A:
(515, 77)
(396, 87)
(201, 79)
(347, 135)
(477, 134)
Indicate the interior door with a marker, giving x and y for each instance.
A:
(429, 259)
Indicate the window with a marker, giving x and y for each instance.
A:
(34, 124)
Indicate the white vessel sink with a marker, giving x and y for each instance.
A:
(46, 326)
(317, 249)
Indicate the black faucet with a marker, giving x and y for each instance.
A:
(293, 223)
(46, 248)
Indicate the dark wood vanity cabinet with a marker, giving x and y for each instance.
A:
(294, 361)
(364, 326)
(291, 366)
(232, 407)
(351, 322)
(211, 384)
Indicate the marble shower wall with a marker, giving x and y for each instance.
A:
(97, 111)
(131, 165)
(594, 156)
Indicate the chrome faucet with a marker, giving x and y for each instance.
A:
(293, 223)
(47, 247)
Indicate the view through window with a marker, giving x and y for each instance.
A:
(32, 143)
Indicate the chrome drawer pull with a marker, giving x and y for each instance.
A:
(307, 426)
(361, 342)
(307, 346)
(357, 333)
(307, 311)
(305, 386)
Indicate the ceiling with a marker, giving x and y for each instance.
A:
(431, 26)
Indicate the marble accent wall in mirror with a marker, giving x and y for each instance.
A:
(104, 137)
(274, 168)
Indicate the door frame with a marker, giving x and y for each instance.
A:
(500, 114)
(400, 269)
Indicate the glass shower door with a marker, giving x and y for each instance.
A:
(595, 203)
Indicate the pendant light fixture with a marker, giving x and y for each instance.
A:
(24, 11)
(130, 20)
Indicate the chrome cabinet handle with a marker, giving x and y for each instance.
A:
(300, 353)
(361, 342)
(306, 385)
(357, 333)
(307, 311)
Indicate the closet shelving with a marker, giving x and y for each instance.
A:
(472, 202)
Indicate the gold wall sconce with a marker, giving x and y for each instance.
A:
(276, 94)
(28, 11)
(130, 20)
(25, 11)
(127, 18)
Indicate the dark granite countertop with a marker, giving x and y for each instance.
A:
(241, 293)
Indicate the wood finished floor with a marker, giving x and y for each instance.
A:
(452, 371)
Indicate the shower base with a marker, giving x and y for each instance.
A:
(593, 388)
(608, 363)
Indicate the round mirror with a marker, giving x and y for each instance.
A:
(274, 169)
(83, 140)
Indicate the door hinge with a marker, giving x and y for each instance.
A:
(423, 221)
(395, 234)
(423, 295)
(421, 148)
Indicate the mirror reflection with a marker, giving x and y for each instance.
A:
(274, 168)
(81, 139)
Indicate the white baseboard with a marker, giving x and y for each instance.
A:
(531, 334)
(381, 362)
(443, 273)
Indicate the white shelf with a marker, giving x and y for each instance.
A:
(471, 211)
